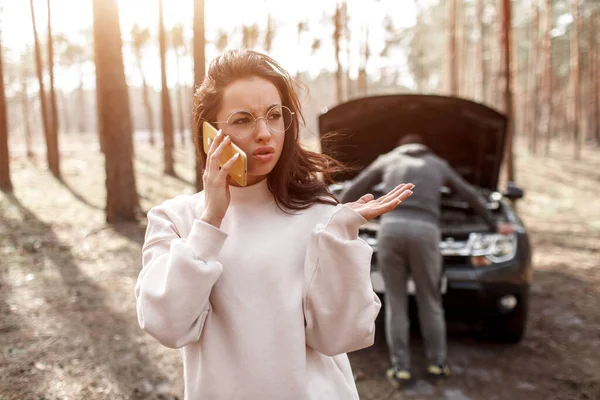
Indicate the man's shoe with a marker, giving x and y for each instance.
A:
(399, 378)
(438, 371)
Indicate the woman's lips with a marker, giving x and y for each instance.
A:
(264, 154)
(263, 157)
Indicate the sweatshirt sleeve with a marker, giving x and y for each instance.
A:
(340, 305)
(173, 288)
(464, 190)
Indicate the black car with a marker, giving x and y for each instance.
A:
(486, 275)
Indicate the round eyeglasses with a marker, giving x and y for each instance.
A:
(241, 124)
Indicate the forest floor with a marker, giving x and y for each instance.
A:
(68, 327)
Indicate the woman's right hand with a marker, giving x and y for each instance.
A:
(216, 182)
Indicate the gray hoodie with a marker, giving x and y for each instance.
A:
(415, 163)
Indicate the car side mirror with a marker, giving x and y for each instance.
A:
(513, 192)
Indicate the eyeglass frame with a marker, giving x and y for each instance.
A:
(292, 113)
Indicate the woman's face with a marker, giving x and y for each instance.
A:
(252, 115)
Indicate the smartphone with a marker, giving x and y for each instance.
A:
(239, 170)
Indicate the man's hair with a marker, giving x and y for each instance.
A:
(411, 138)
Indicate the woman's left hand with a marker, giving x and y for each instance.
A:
(370, 208)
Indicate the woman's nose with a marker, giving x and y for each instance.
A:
(262, 131)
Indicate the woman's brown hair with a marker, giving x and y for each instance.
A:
(294, 180)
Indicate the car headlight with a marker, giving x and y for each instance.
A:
(493, 247)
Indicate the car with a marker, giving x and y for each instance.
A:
(487, 276)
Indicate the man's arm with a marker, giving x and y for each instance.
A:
(467, 192)
(363, 182)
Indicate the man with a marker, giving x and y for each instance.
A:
(408, 241)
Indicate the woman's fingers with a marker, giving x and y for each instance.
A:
(403, 196)
(227, 166)
(400, 188)
(394, 201)
(390, 203)
(392, 192)
(366, 198)
(370, 208)
(214, 144)
(395, 193)
(216, 155)
(216, 141)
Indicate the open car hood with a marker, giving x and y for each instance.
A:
(469, 135)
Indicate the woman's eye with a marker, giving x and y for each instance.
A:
(275, 116)
(241, 121)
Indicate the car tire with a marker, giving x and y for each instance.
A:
(507, 328)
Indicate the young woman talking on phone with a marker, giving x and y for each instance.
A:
(266, 287)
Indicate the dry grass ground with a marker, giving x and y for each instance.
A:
(68, 327)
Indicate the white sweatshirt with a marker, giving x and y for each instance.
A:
(267, 306)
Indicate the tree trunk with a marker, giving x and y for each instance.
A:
(199, 73)
(585, 82)
(591, 103)
(595, 71)
(419, 72)
(270, 33)
(337, 37)
(362, 71)
(463, 49)
(114, 118)
(65, 112)
(146, 99)
(178, 97)
(349, 84)
(547, 118)
(53, 156)
(531, 121)
(497, 86)
(82, 125)
(495, 61)
(50, 148)
(575, 79)
(26, 120)
(562, 111)
(452, 58)
(301, 28)
(480, 52)
(5, 182)
(506, 33)
(167, 116)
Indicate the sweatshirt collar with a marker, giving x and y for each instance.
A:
(256, 194)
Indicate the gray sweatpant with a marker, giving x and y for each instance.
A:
(411, 247)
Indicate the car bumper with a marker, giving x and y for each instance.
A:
(484, 298)
(472, 291)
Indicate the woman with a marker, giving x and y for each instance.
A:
(264, 287)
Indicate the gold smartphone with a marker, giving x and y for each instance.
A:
(239, 169)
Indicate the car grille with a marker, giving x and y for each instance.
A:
(449, 262)
(456, 261)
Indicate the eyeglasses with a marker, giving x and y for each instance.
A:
(241, 124)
